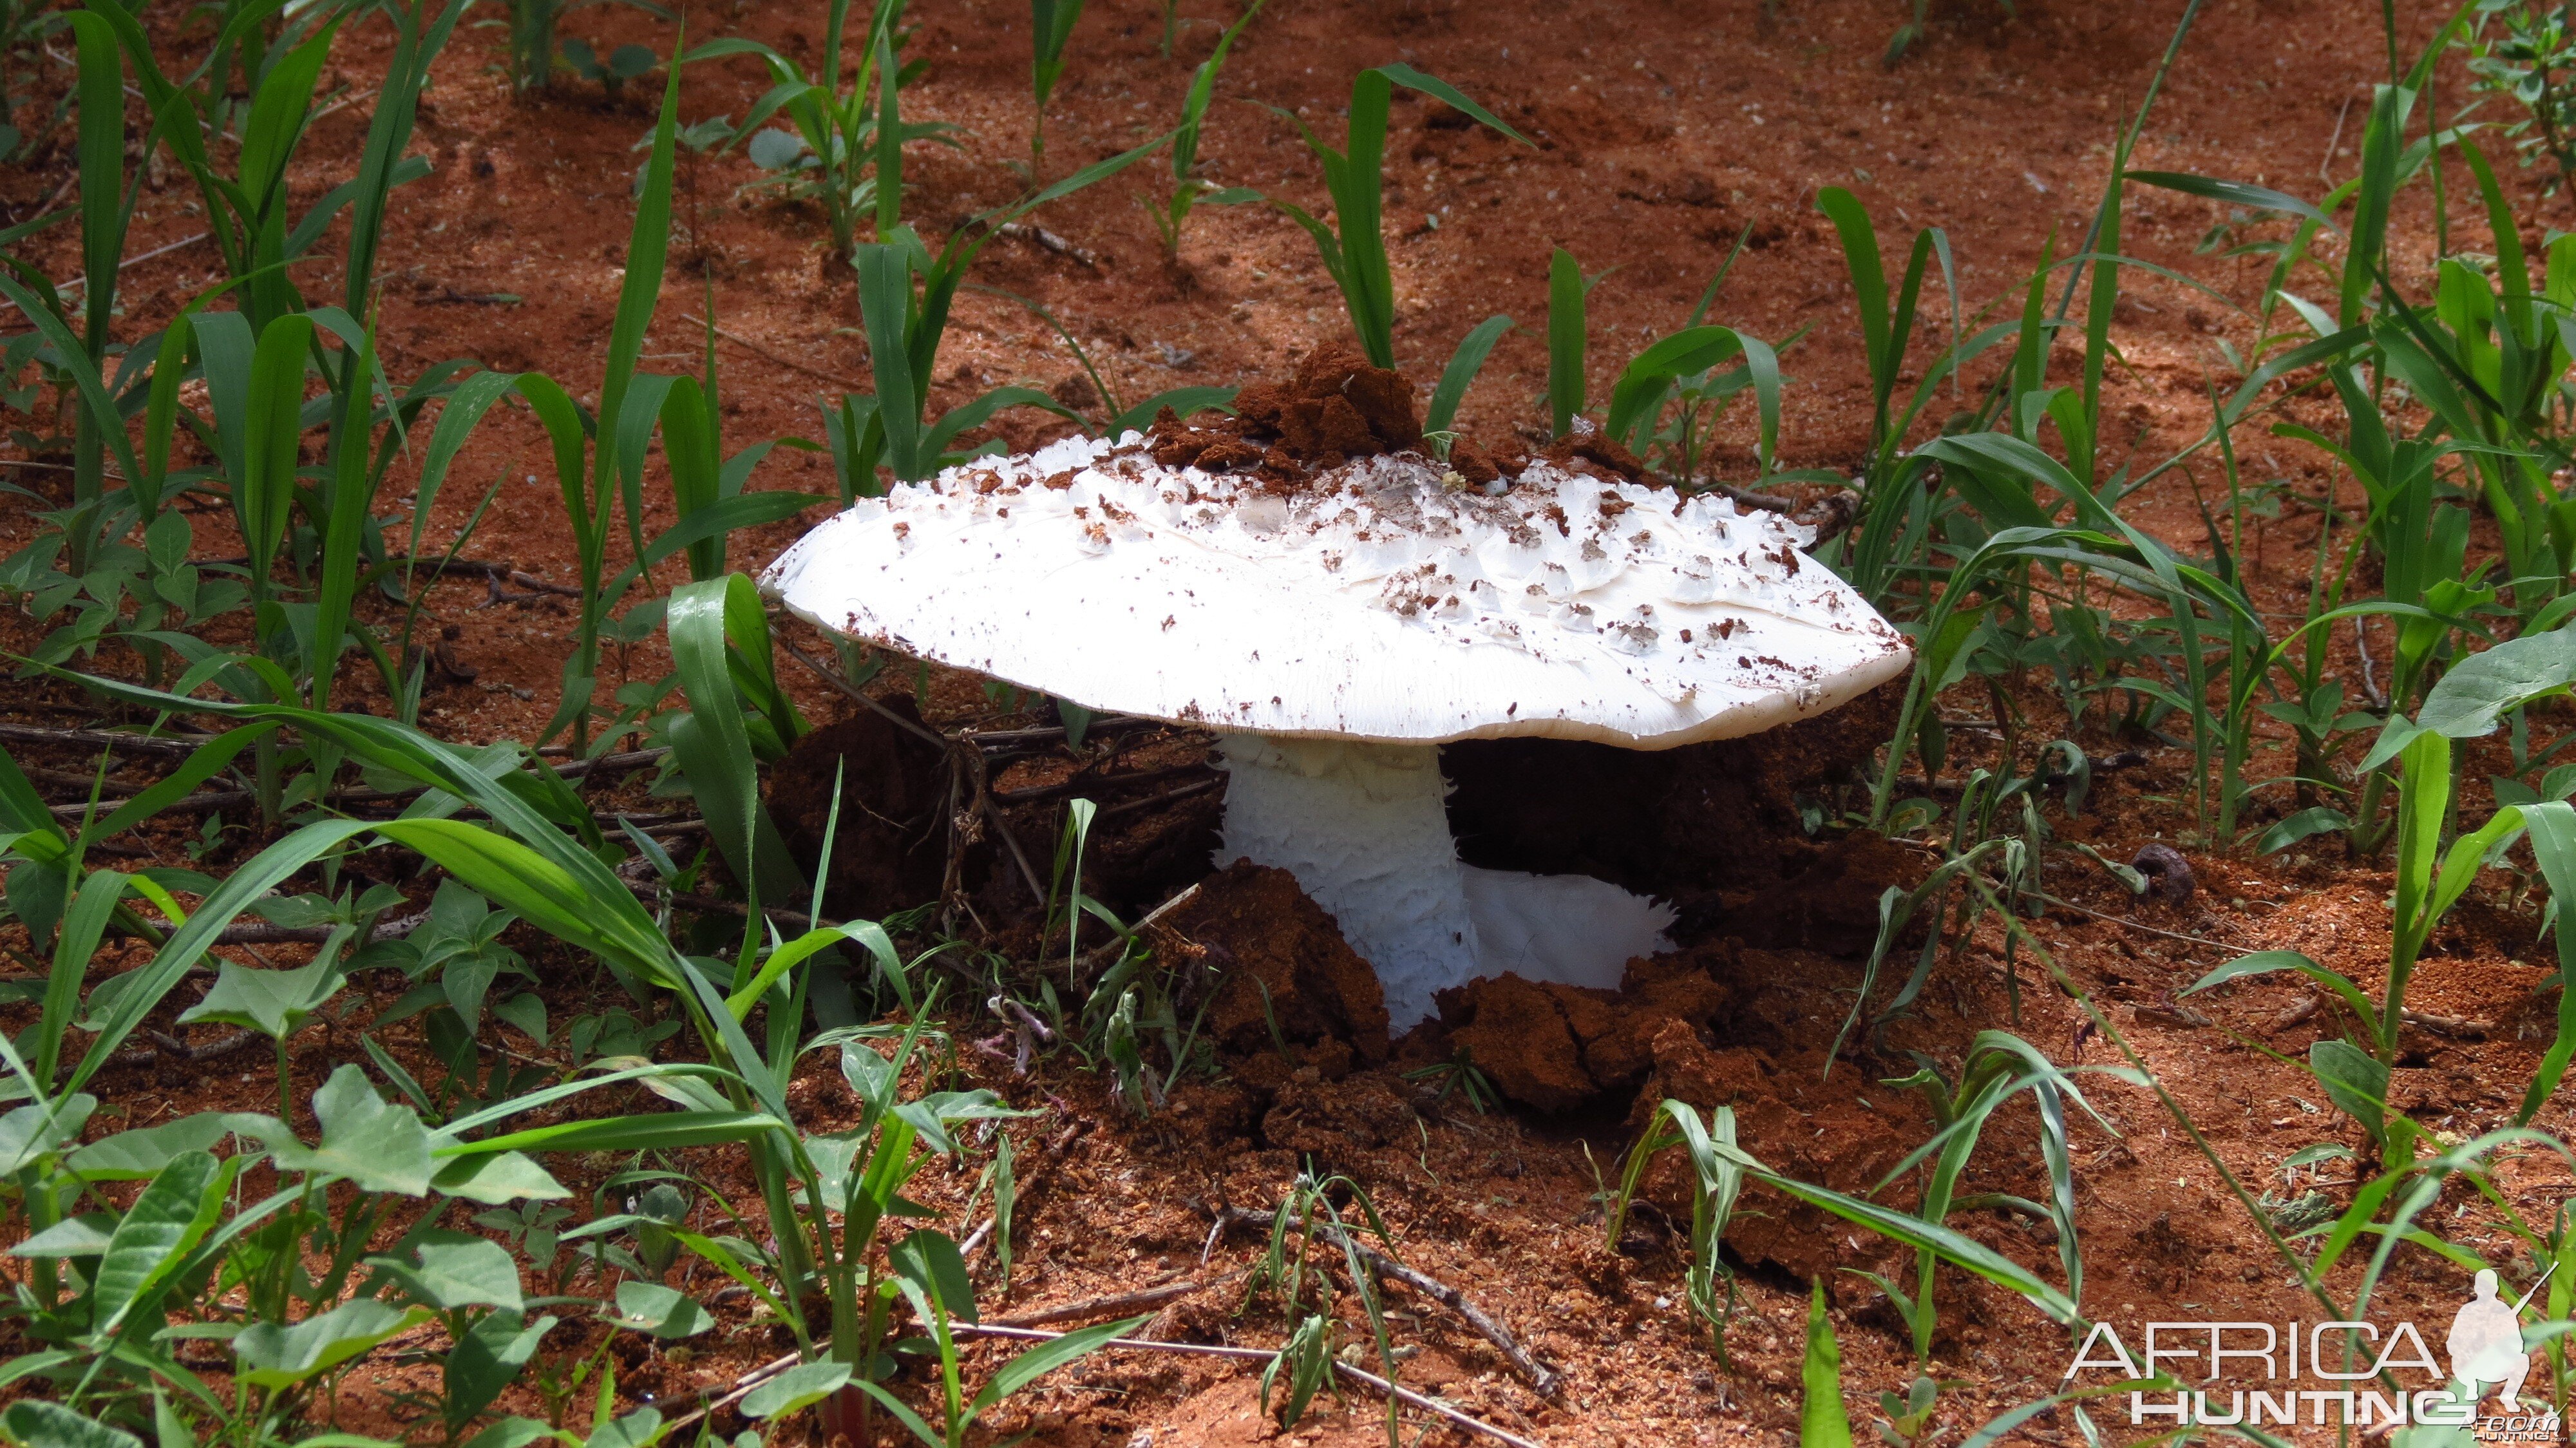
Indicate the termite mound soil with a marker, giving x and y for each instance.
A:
(890, 847)
(1716, 829)
(1301, 1024)
(1337, 408)
(1284, 974)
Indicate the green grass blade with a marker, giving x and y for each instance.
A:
(1461, 372)
(264, 494)
(1822, 1422)
(1358, 204)
(352, 497)
(1565, 341)
(647, 251)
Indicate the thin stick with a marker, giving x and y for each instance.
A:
(1039, 1171)
(1253, 1354)
(2135, 925)
(1168, 796)
(96, 739)
(1092, 959)
(844, 688)
(1541, 1377)
(789, 363)
(1097, 781)
(1119, 1305)
(134, 260)
(990, 738)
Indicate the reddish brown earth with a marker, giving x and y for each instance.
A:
(1663, 132)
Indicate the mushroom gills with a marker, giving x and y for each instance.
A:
(1363, 828)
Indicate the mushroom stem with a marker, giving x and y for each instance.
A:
(1363, 828)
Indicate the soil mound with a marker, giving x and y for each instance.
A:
(891, 849)
(1282, 966)
(1337, 407)
(1556, 1047)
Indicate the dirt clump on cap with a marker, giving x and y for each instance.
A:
(1336, 408)
(1281, 964)
(891, 849)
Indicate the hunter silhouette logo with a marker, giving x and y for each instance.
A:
(2486, 1341)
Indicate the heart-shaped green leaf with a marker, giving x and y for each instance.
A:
(651, 1308)
(278, 1355)
(275, 1003)
(379, 1146)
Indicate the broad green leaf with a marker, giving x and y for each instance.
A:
(456, 1269)
(275, 1003)
(168, 1219)
(798, 1387)
(379, 1146)
(498, 1177)
(930, 1260)
(277, 1355)
(39, 1424)
(2479, 690)
(651, 1308)
(134, 1155)
(2355, 1081)
(643, 1427)
(31, 1132)
(86, 1235)
(489, 1357)
(2314, 820)
(515, 1433)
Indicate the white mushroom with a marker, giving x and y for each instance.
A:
(1337, 635)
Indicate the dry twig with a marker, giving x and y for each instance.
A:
(1541, 1377)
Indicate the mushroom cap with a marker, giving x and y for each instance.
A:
(1374, 604)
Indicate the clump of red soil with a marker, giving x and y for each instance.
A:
(1336, 408)
(891, 849)
(1840, 1130)
(1556, 1047)
(1281, 964)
